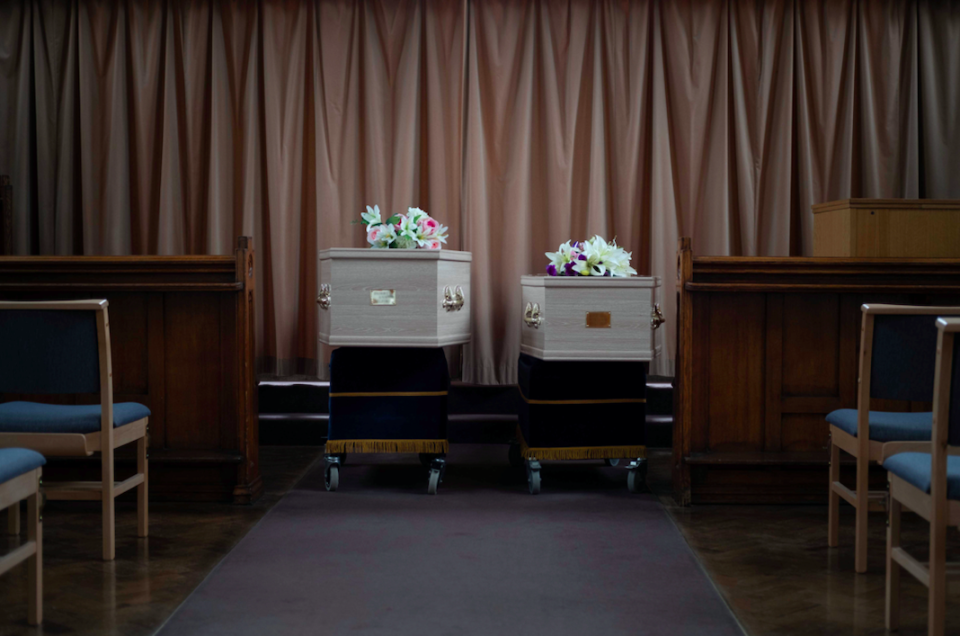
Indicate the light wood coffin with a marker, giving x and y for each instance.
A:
(589, 318)
(394, 298)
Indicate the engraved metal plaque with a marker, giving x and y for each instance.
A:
(383, 297)
(598, 319)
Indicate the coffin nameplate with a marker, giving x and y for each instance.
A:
(598, 319)
(383, 297)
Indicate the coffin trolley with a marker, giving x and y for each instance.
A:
(391, 310)
(586, 345)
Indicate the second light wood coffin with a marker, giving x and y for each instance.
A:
(589, 318)
(394, 298)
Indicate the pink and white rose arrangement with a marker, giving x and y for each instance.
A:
(414, 230)
(593, 257)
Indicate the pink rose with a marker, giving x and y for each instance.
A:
(373, 234)
(428, 226)
(432, 244)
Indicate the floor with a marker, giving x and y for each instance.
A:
(770, 563)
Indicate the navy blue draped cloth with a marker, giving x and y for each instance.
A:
(582, 405)
(384, 393)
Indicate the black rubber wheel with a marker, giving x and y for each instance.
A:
(434, 481)
(332, 478)
(533, 481)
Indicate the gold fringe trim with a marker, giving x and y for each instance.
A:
(392, 394)
(335, 447)
(580, 452)
(605, 401)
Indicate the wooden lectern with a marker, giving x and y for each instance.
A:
(878, 228)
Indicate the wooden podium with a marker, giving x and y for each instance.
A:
(877, 228)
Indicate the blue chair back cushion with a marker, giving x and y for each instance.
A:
(17, 461)
(904, 357)
(32, 417)
(48, 351)
(915, 469)
(954, 434)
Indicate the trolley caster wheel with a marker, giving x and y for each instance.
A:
(533, 476)
(331, 478)
(331, 472)
(515, 456)
(434, 481)
(611, 462)
(636, 475)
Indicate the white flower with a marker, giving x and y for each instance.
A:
(371, 216)
(416, 214)
(594, 257)
(381, 236)
(440, 234)
(407, 228)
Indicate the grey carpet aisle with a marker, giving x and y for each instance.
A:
(380, 557)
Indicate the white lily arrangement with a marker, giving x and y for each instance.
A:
(593, 257)
(414, 230)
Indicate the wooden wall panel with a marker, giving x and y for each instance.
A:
(192, 371)
(811, 335)
(735, 377)
(766, 348)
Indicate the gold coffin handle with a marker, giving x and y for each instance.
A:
(452, 299)
(324, 298)
(532, 316)
(656, 318)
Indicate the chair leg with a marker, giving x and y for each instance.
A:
(35, 564)
(143, 514)
(833, 505)
(13, 519)
(863, 510)
(892, 616)
(109, 529)
(938, 576)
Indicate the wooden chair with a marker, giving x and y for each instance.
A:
(64, 347)
(20, 471)
(897, 353)
(928, 483)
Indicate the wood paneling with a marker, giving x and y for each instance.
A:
(182, 340)
(766, 348)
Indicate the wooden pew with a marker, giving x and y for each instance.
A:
(182, 331)
(766, 348)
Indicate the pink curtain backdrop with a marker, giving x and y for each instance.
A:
(173, 127)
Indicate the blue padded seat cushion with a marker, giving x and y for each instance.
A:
(17, 461)
(914, 468)
(33, 417)
(886, 426)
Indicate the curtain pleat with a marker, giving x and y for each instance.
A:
(154, 127)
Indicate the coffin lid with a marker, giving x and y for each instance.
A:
(593, 282)
(368, 253)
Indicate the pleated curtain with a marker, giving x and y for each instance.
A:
(174, 127)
